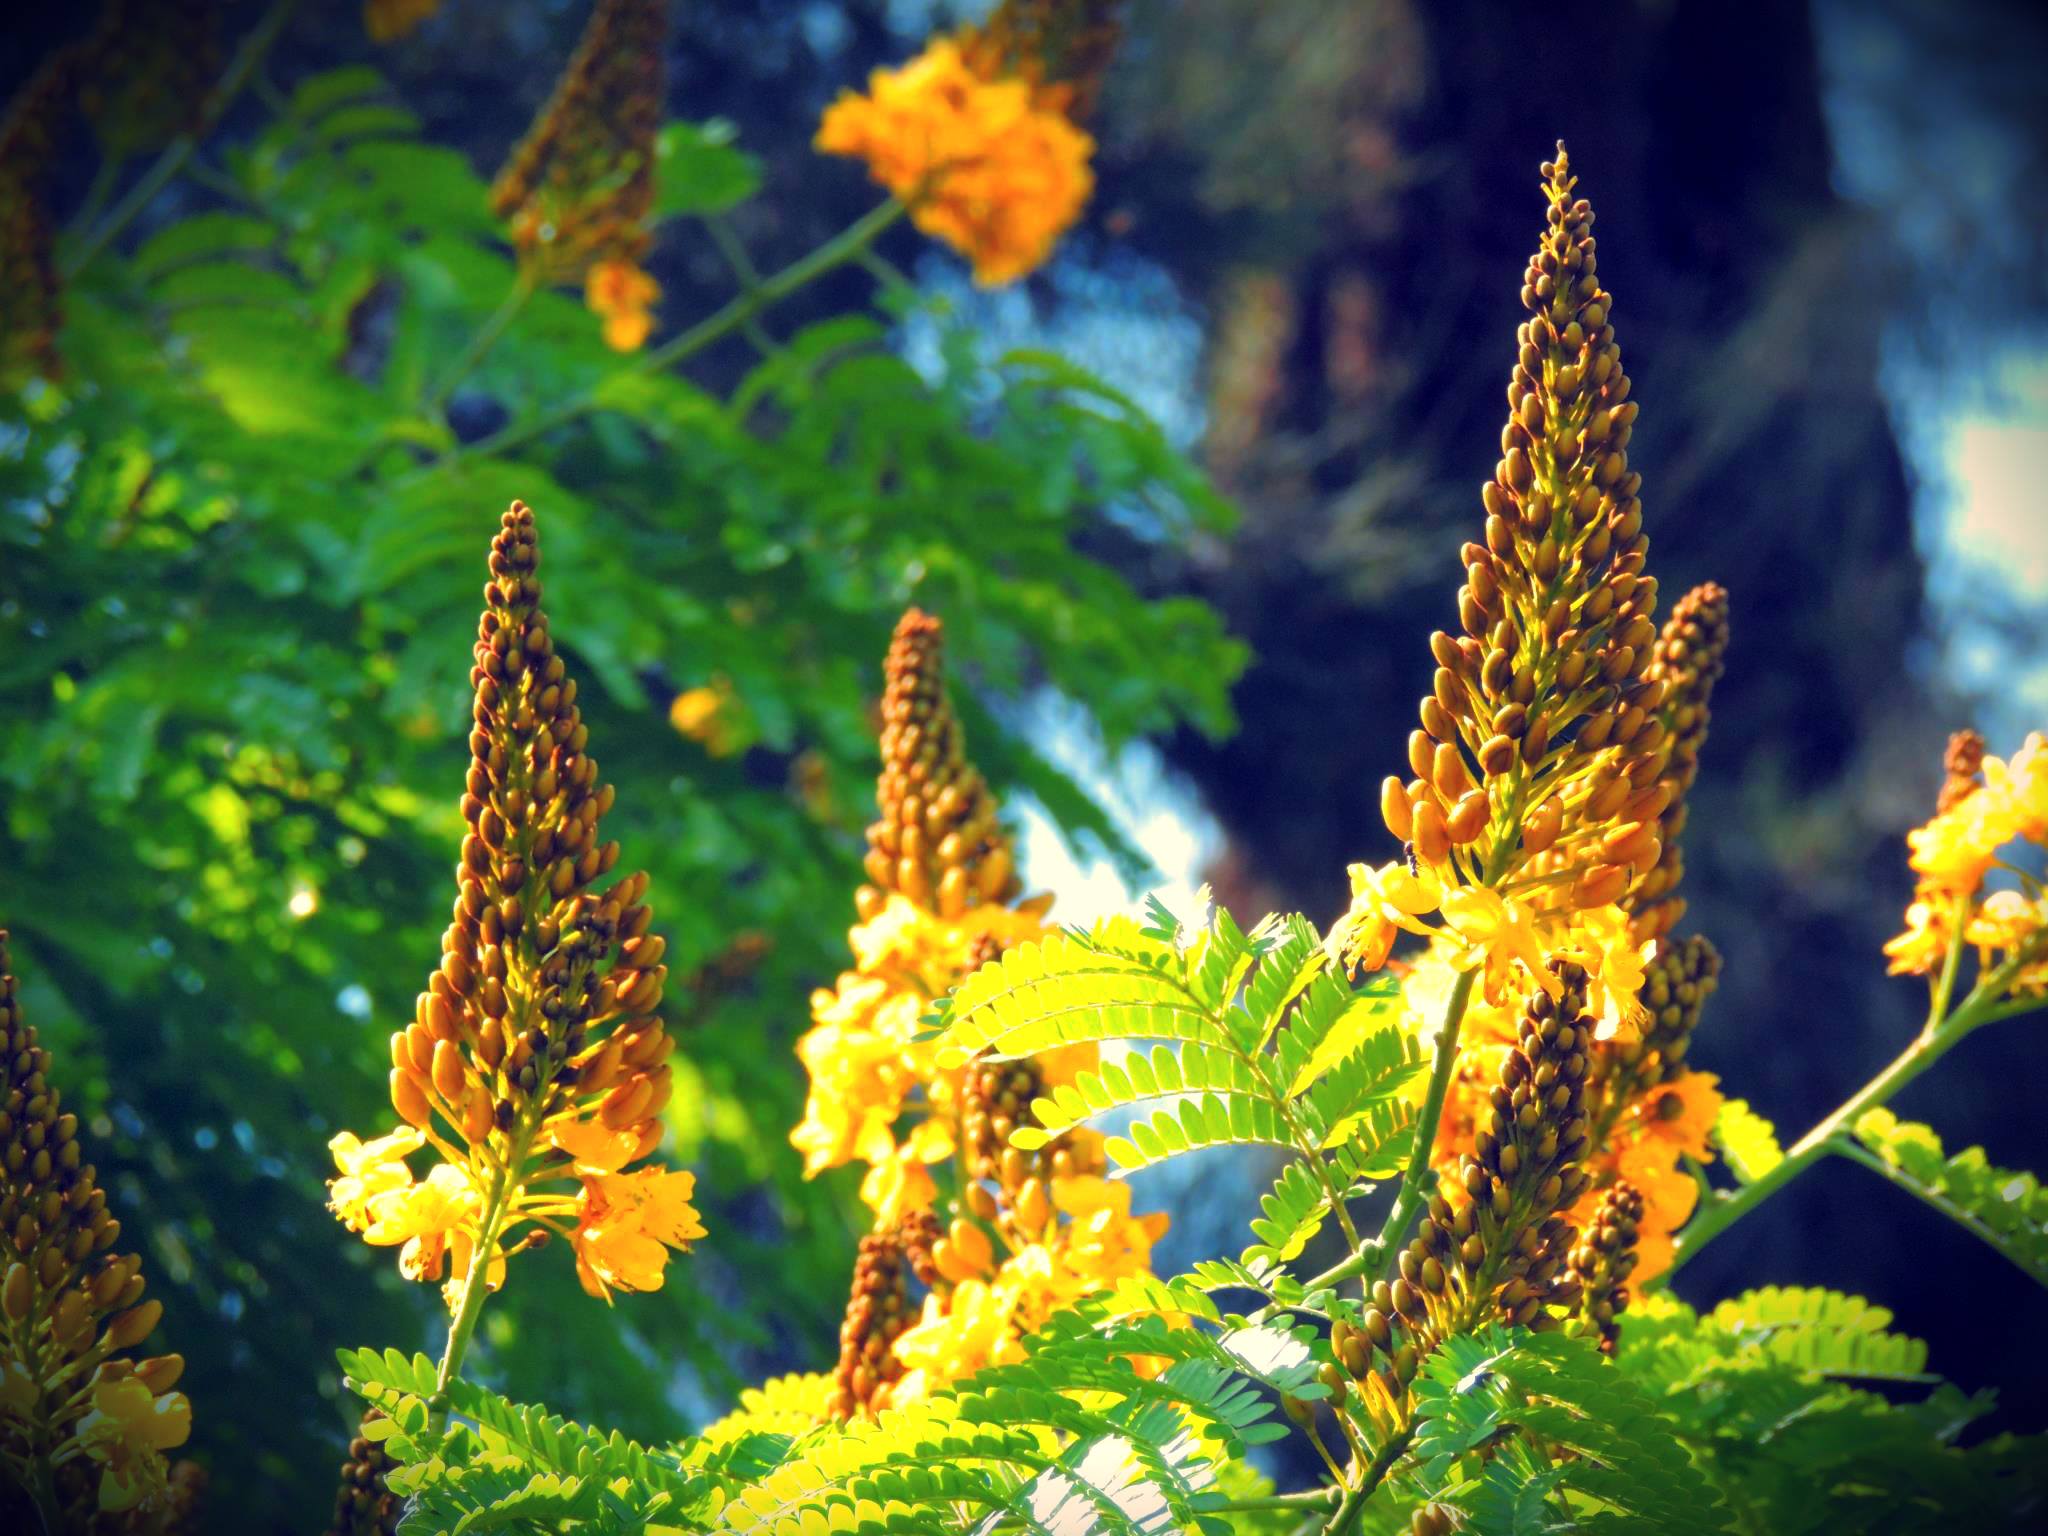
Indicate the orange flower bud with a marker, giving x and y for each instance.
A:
(1432, 837)
(410, 1101)
(1394, 808)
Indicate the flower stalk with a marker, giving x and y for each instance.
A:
(1987, 1003)
(845, 247)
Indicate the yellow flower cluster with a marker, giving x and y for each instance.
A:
(623, 295)
(1031, 1232)
(984, 162)
(709, 715)
(983, 1317)
(1986, 805)
(865, 1062)
(88, 1425)
(1505, 936)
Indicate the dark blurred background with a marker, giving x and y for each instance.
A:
(1824, 227)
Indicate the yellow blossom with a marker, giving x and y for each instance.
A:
(1923, 944)
(1681, 1113)
(369, 1169)
(626, 1224)
(705, 715)
(957, 1337)
(1501, 939)
(1955, 850)
(1669, 1197)
(2021, 788)
(901, 1182)
(127, 1432)
(862, 1068)
(624, 295)
(1384, 901)
(1604, 940)
(982, 164)
(593, 1146)
(423, 1217)
(1103, 1242)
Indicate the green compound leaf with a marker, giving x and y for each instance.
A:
(1747, 1140)
(2008, 1209)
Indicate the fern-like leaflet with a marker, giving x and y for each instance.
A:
(1500, 1408)
(1253, 1040)
(2005, 1208)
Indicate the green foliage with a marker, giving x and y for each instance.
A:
(1747, 1141)
(1767, 1392)
(1507, 1421)
(241, 542)
(1807, 1331)
(1071, 1427)
(1270, 1047)
(2008, 1210)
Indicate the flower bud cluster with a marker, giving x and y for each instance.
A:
(31, 290)
(1540, 741)
(546, 994)
(536, 1055)
(580, 185)
(1061, 47)
(68, 1304)
(878, 1311)
(1537, 783)
(1604, 1258)
(364, 1505)
(938, 841)
(1496, 1239)
(997, 1100)
(1688, 662)
(148, 69)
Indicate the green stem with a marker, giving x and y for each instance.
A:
(734, 250)
(478, 1284)
(1353, 1504)
(842, 248)
(1409, 1200)
(172, 160)
(886, 272)
(1985, 1004)
(481, 343)
(1308, 1498)
(1368, 1255)
(104, 176)
(43, 1490)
